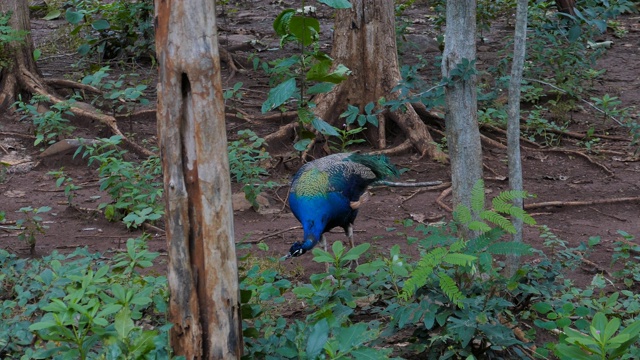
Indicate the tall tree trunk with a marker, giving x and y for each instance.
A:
(365, 42)
(203, 275)
(513, 122)
(18, 55)
(463, 135)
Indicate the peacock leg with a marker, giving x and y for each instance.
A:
(349, 233)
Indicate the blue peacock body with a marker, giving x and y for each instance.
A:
(327, 192)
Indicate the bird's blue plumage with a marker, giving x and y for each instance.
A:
(325, 193)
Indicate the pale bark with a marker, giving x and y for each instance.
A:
(463, 134)
(202, 272)
(513, 122)
(365, 42)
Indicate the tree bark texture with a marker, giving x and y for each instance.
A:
(513, 122)
(463, 134)
(202, 272)
(365, 42)
(17, 54)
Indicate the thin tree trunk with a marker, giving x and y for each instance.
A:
(463, 134)
(513, 122)
(202, 272)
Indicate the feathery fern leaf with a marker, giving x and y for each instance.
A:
(518, 213)
(478, 226)
(451, 289)
(509, 248)
(499, 220)
(462, 214)
(477, 196)
(459, 259)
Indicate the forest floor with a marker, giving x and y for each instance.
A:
(609, 171)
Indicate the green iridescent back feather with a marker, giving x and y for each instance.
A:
(331, 173)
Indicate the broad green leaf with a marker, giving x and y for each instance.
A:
(279, 95)
(355, 253)
(42, 325)
(302, 144)
(324, 127)
(73, 17)
(53, 14)
(304, 28)
(323, 87)
(352, 336)
(281, 23)
(123, 323)
(84, 49)
(317, 338)
(101, 24)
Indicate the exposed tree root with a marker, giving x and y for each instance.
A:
(402, 148)
(33, 83)
(69, 84)
(442, 196)
(581, 203)
(281, 135)
(226, 57)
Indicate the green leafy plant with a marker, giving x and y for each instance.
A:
(245, 156)
(135, 188)
(31, 225)
(603, 341)
(305, 74)
(63, 179)
(50, 126)
(625, 252)
(115, 96)
(116, 29)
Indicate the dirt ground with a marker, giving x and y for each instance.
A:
(609, 172)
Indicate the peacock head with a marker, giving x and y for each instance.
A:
(296, 250)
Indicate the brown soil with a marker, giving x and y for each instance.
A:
(552, 176)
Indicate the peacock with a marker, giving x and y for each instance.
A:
(327, 192)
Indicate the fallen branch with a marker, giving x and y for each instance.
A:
(580, 203)
(578, 153)
(440, 199)
(407, 184)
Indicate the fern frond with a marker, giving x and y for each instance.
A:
(477, 196)
(499, 220)
(462, 214)
(459, 259)
(519, 213)
(458, 246)
(450, 288)
(422, 271)
(479, 226)
(503, 202)
(479, 243)
(509, 248)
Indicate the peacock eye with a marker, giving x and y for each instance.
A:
(298, 252)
